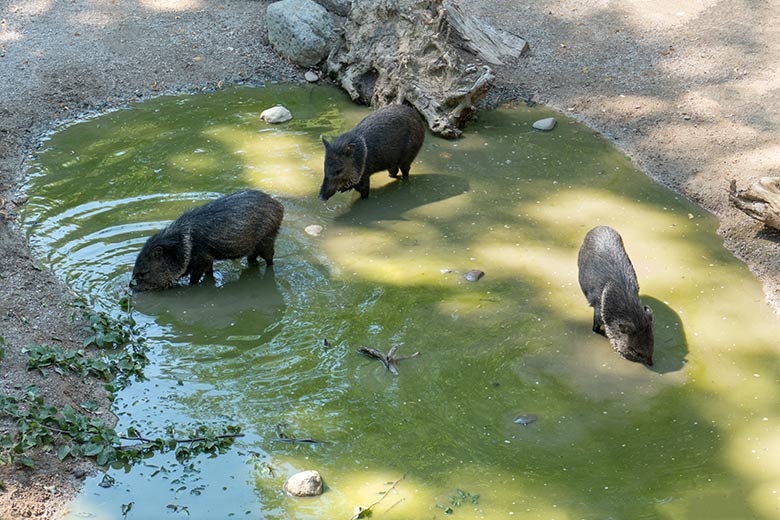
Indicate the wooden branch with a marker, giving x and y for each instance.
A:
(761, 201)
(489, 43)
(389, 360)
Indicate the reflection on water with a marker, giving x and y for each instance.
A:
(695, 437)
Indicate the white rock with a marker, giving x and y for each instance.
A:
(545, 124)
(304, 484)
(277, 114)
(311, 76)
(313, 230)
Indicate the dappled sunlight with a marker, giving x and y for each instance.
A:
(371, 255)
(31, 7)
(172, 5)
(284, 163)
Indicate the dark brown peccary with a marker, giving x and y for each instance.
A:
(608, 280)
(389, 139)
(241, 224)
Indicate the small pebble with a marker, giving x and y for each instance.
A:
(277, 114)
(526, 419)
(311, 76)
(546, 124)
(313, 230)
(474, 275)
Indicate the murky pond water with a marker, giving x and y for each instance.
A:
(698, 436)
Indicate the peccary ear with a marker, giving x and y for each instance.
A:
(349, 149)
(324, 142)
(649, 313)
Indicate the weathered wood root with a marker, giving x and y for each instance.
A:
(389, 360)
(761, 201)
(396, 51)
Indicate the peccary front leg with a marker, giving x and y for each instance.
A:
(362, 186)
(199, 267)
(393, 172)
(597, 322)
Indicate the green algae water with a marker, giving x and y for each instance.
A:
(275, 351)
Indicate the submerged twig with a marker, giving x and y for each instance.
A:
(298, 441)
(389, 360)
(364, 512)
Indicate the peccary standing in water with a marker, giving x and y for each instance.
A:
(241, 224)
(389, 139)
(609, 282)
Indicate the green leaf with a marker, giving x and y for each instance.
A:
(27, 461)
(63, 452)
(91, 449)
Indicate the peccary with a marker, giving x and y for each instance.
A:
(388, 139)
(608, 280)
(241, 224)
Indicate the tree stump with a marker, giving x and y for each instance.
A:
(395, 51)
(760, 201)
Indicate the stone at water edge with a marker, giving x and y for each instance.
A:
(311, 76)
(546, 124)
(277, 114)
(304, 484)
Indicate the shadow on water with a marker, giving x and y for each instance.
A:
(393, 200)
(255, 293)
(671, 347)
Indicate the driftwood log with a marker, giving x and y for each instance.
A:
(394, 51)
(760, 201)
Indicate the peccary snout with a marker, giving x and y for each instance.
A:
(608, 280)
(241, 224)
(389, 139)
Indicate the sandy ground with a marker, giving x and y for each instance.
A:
(686, 88)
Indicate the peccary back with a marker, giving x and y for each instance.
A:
(241, 224)
(608, 280)
(389, 139)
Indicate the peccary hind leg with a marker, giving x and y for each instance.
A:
(265, 250)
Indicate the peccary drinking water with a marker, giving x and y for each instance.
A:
(389, 139)
(241, 224)
(608, 280)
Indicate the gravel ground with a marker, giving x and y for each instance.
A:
(687, 89)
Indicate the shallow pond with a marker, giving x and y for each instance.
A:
(513, 407)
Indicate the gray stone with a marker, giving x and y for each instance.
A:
(277, 114)
(304, 484)
(339, 7)
(474, 275)
(545, 124)
(311, 76)
(300, 30)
